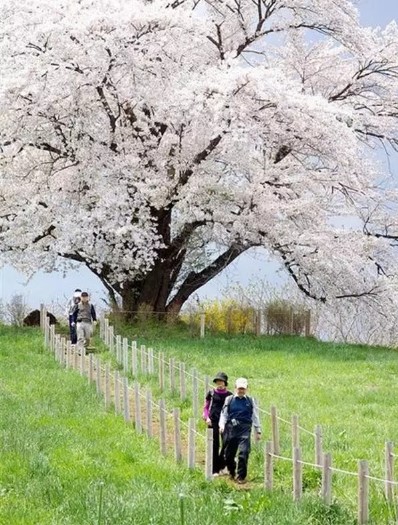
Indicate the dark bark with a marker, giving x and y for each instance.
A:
(153, 294)
(196, 280)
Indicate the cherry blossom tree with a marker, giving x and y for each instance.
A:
(156, 141)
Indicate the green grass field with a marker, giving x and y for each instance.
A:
(350, 390)
(65, 460)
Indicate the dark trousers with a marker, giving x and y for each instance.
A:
(237, 440)
(218, 453)
(72, 331)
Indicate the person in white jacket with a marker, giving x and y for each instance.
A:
(70, 308)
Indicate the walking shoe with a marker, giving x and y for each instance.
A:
(240, 481)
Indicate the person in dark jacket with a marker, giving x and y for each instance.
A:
(84, 316)
(238, 415)
(211, 414)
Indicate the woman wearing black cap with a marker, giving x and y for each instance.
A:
(211, 414)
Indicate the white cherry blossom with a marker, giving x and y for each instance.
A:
(156, 141)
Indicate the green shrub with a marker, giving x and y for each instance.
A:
(283, 318)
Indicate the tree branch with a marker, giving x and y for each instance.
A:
(200, 157)
(45, 234)
(196, 280)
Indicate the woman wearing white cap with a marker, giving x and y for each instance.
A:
(238, 415)
(70, 308)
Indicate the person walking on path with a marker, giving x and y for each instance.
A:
(214, 402)
(238, 415)
(84, 316)
(70, 308)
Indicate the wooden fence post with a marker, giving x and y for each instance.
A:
(83, 361)
(162, 422)
(101, 328)
(52, 336)
(202, 324)
(195, 393)
(111, 339)
(57, 352)
(161, 371)
(275, 431)
(107, 386)
(268, 466)
(149, 430)
(117, 393)
(106, 331)
(46, 334)
(119, 349)
(64, 345)
(389, 471)
(52, 339)
(295, 432)
(65, 352)
(125, 354)
(90, 368)
(363, 492)
(98, 375)
(61, 350)
(177, 435)
(297, 475)
(172, 375)
(75, 358)
(134, 359)
(209, 454)
(137, 404)
(68, 353)
(318, 445)
(58, 348)
(42, 317)
(151, 362)
(191, 442)
(183, 388)
(143, 360)
(126, 400)
(327, 479)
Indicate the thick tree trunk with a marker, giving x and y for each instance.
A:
(154, 295)
(149, 295)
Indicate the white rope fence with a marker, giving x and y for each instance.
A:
(144, 363)
(127, 401)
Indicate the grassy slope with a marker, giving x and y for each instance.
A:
(350, 390)
(58, 446)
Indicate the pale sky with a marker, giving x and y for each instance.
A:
(56, 288)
